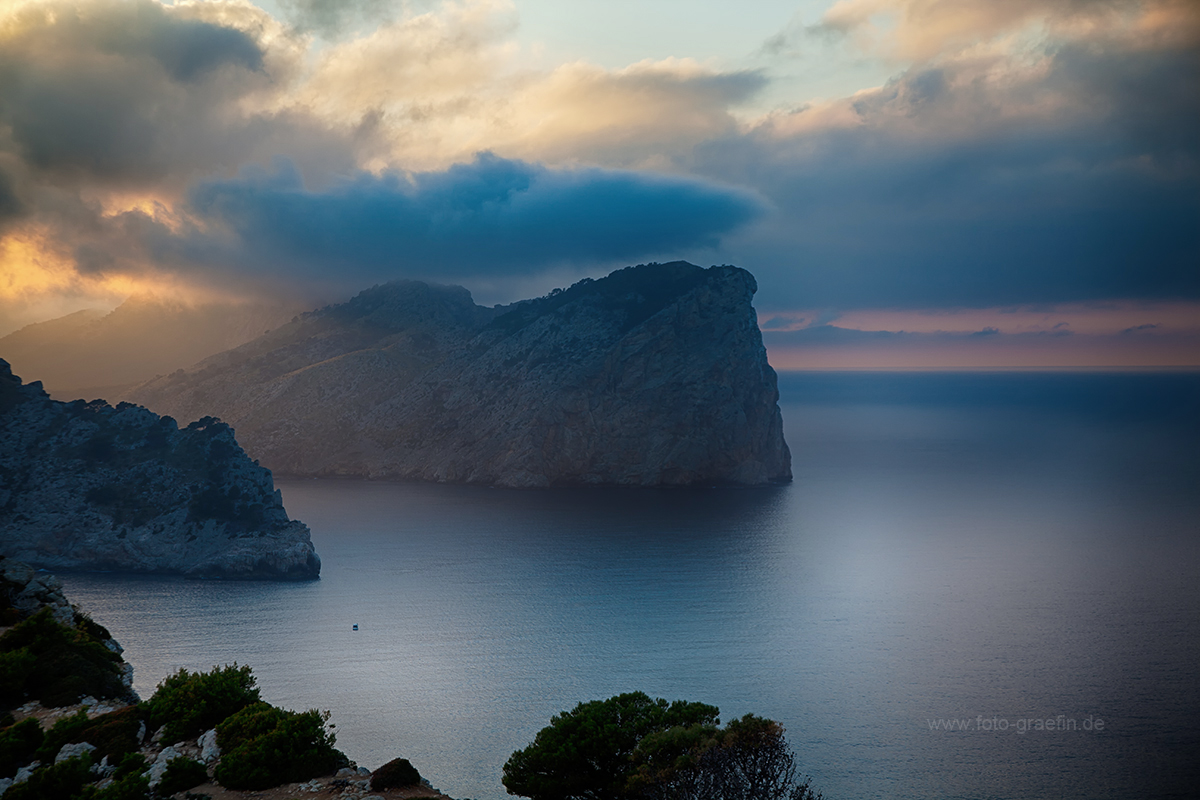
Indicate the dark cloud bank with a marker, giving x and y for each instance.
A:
(940, 195)
(1100, 200)
(134, 96)
(489, 216)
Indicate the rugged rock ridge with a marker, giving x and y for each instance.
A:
(89, 486)
(25, 591)
(654, 375)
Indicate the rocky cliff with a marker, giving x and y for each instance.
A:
(654, 375)
(88, 486)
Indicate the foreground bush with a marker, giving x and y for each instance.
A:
(630, 746)
(63, 781)
(397, 772)
(113, 734)
(129, 782)
(264, 746)
(747, 760)
(180, 775)
(43, 660)
(586, 753)
(18, 743)
(187, 704)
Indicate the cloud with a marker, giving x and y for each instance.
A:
(1029, 152)
(1069, 174)
(488, 216)
(447, 84)
(11, 206)
(332, 17)
(144, 143)
(920, 30)
(137, 95)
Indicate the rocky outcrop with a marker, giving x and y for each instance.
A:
(88, 486)
(25, 591)
(655, 375)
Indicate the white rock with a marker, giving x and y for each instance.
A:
(127, 675)
(24, 773)
(160, 765)
(209, 750)
(4, 784)
(73, 751)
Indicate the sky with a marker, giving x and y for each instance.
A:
(915, 184)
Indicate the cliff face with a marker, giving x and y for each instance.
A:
(89, 486)
(655, 375)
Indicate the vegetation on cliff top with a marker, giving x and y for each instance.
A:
(632, 747)
(56, 664)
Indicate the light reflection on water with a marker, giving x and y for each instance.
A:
(948, 551)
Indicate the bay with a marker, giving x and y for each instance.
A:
(978, 585)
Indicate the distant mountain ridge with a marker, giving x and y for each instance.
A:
(92, 354)
(654, 375)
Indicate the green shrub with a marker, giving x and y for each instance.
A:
(397, 772)
(64, 731)
(635, 748)
(586, 752)
(187, 704)
(181, 774)
(129, 782)
(113, 734)
(68, 663)
(263, 746)
(131, 764)
(63, 781)
(91, 627)
(16, 667)
(18, 743)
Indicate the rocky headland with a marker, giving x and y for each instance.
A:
(84, 485)
(654, 375)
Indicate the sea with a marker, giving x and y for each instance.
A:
(978, 585)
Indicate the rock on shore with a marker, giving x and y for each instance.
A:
(88, 486)
(655, 375)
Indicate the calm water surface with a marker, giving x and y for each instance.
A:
(958, 555)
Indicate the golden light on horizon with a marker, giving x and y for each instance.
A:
(39, 282)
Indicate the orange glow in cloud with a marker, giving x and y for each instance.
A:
(39, 282)
(27, 268)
